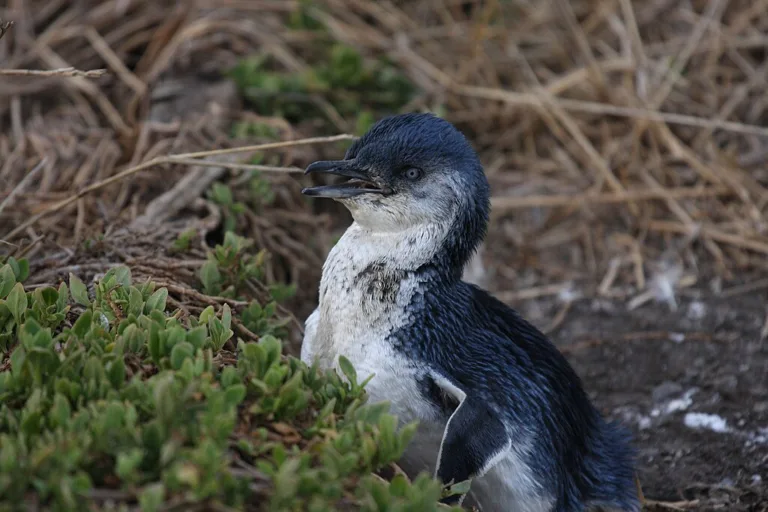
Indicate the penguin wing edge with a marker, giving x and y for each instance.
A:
(474, 441)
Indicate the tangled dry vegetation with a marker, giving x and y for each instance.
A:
(625, 141)
(621, 138)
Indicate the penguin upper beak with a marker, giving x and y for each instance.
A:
(360, 182)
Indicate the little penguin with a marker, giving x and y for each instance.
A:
(496, 402)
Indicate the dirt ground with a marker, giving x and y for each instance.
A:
(660, 371)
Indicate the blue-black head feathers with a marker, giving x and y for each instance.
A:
(413, 169)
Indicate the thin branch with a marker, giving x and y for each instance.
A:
(22, 184)
(263, 147)
(235, 166)
(502, 203)
(4, 27)
(168, 160)
(532, 293)
(109, 56)
(61, 72)
(736, 240)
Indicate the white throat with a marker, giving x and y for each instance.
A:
(406, 249)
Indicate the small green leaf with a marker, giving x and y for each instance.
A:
(221, 194)
(210, 276)
(61, 411)
(128, 464)
(458, 488)
(61, 302)
(7, 280)
(48, 295)
(122, 275)
(272, 347)
(165, 398)
(116, 373)
(155, 350)
(157, 300)
(15, 266)
(235, 394)
(18, 358)
(9, 458)
(197, 336)
(226, 317)
(79, 290)
(151, 497)
(282, 292)
(180, 352)
(348, 369)
(23, 270)
(229, 377)
(42, 340)
(134, 338)
(207, 314)
(182, 243)
(17, 302)
(83, 324)
(157, 316)
(174, 335)
(407, 433)
(135, 301)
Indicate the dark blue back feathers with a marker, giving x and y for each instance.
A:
(487, 349)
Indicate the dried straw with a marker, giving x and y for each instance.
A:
(614, 134)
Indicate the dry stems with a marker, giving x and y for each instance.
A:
(614, 133)
(63, 72)
(4, 27)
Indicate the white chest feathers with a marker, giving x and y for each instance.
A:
(365, 292)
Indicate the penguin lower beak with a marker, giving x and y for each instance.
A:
(360, 181)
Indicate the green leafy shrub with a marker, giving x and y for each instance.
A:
(183, 241)
(104, 393)
(302, 19)
(357, 88)
(227, 271)
(259, 194)
(230, 266)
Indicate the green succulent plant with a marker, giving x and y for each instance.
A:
(106, 393)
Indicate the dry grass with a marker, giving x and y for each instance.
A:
(625, 141)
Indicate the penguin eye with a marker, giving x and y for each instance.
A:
(413, 173)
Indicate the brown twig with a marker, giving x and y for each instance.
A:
(22, 185)
(62, 72)
(4, 27)
(235, 166)
(505, 203)
(672, 505)
(532, 293)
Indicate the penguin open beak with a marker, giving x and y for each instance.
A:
(360, 181)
